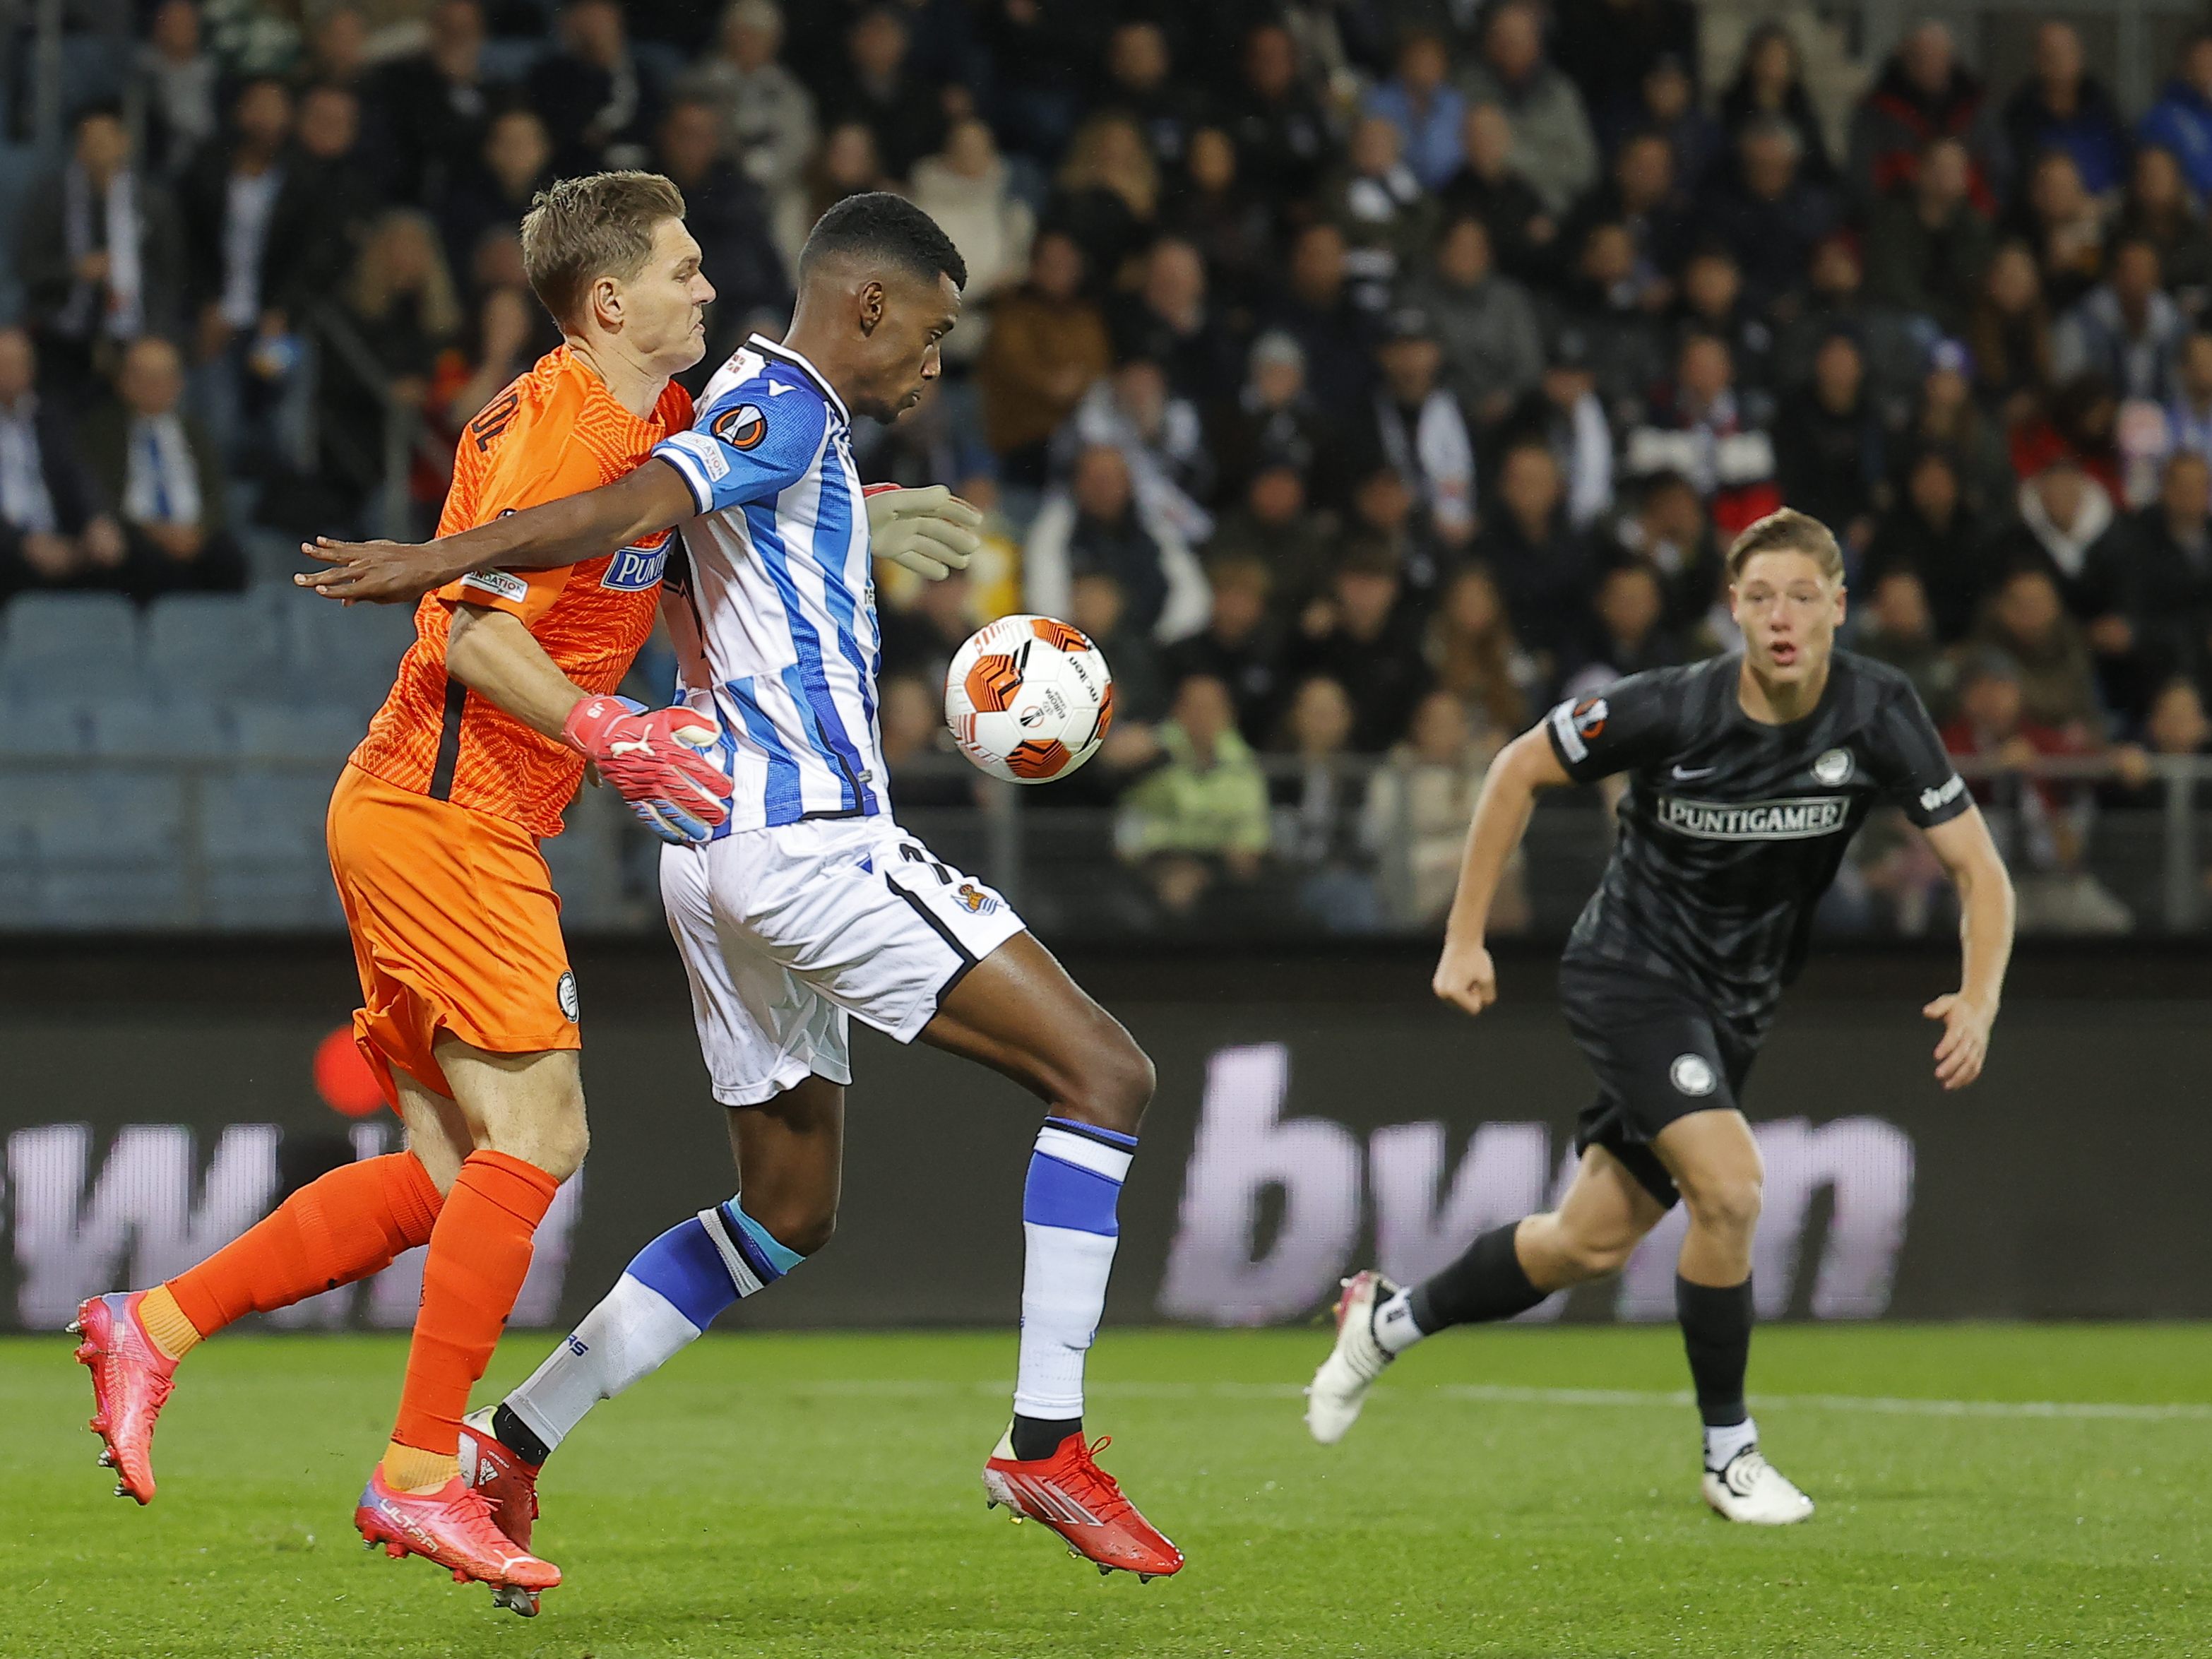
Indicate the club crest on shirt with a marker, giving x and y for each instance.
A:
(977, 902)
(1833, 767)
(741, 425)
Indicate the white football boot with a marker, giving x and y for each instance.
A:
(1752, 1489)
(1339, 1386)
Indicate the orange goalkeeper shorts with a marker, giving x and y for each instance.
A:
(456, 928)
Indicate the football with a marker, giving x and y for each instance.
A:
(1028, 698)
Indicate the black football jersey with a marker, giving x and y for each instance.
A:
(1731, 830)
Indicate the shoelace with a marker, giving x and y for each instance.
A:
(1111, 1505)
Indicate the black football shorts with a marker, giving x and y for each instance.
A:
(1659, 1053)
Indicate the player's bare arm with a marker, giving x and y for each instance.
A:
(1986, 929)
(1465, 974)
(587, 525)
(495, 655)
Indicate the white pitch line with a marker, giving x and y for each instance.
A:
(1500, 1394)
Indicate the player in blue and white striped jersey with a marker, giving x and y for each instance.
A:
(810, 905)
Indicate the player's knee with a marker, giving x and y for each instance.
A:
(1116, 1086)
(559, 1146)
(1729, 1204)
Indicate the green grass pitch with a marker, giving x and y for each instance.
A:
(1526, 1493)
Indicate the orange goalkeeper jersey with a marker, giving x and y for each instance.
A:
(556, 431)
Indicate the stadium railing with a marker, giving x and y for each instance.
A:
(140, 838)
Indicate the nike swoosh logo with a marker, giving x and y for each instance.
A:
(1684, 775)
(777, 388)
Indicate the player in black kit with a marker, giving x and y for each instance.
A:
(1746, 776)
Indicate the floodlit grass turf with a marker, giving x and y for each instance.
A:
(817, 1495)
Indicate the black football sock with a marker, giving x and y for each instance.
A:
(514, 1434)
(1040, 1436)
(1716, 1332)
(1486, 1282)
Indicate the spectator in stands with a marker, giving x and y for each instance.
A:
(1095, 604)
(1107, 194)
(1606, 304)
(1197, 823)
(439, 103)
(1944, 416)
(767, 115)
(1523, 232)
(926, 770)
(2157, 209)
(2010, 335)
(1642, 193)
(1215, 211)
(1536, 559)
(55, 527)
(1473, 649)
(1713, 302)
(2177, 727)
(1486, 323)
(1135, 410)
(2063, 223)
(920, 637)
(1923, 94)
(1563, 415)
(1769, 85)
(1101, 524)
(1168, 320)
(882, 91)
(1609, 49)
(493, 190)
(1553, 148)
(1417, 814)
(1364, 635)
(599, 99)
(229, 203)
(1041, 58)
(2025, 619)
(178, 81)
(2062, 106)
(2180, 122)
(165, 477)
(727, 216)
(1627, 630)
(1281, 129)
(99, 252)
(1048, 344)
(1276, 526)
(1934, 532)
(1422, 108)
(1698, 427)
(1388, 219)
(1670, 108)
(966, 188)
(1769, 215)
(1141, 82)
(1670, 531)
(1317, 832)
(1274, 422)
(329, 198)
(1927, 244)
(1828, 445)
(2154, 570)
(2044, 825)
(1316, 311)
(846, 165)
(1896, 628)
(1416, 428)
(2125, 329)
(2189, 412)
(2064, 513)
(498, 341)
(1241, 644)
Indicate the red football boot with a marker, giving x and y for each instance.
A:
(131, 1383)
(1071, 1494)
(509, 1485)
(452, 1527)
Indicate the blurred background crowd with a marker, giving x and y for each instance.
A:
(1362, 375)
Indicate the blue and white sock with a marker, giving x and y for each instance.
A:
(1069, 1223)
(669, 1294)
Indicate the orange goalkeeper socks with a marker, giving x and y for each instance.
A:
(479, 1255)
(340, 1227)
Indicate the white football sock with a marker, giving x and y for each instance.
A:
(1068, 1224)
(1393, 1327)
(1723, 1445)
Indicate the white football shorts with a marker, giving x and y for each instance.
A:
(787, 932)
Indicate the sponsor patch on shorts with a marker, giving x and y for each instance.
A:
(1693, 1074)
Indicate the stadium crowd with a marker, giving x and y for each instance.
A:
(1361, 375)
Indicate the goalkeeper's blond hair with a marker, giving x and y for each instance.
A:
(579, 230)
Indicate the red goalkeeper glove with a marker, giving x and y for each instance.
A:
(653, 761)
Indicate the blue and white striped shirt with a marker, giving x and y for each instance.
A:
(783, 646)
